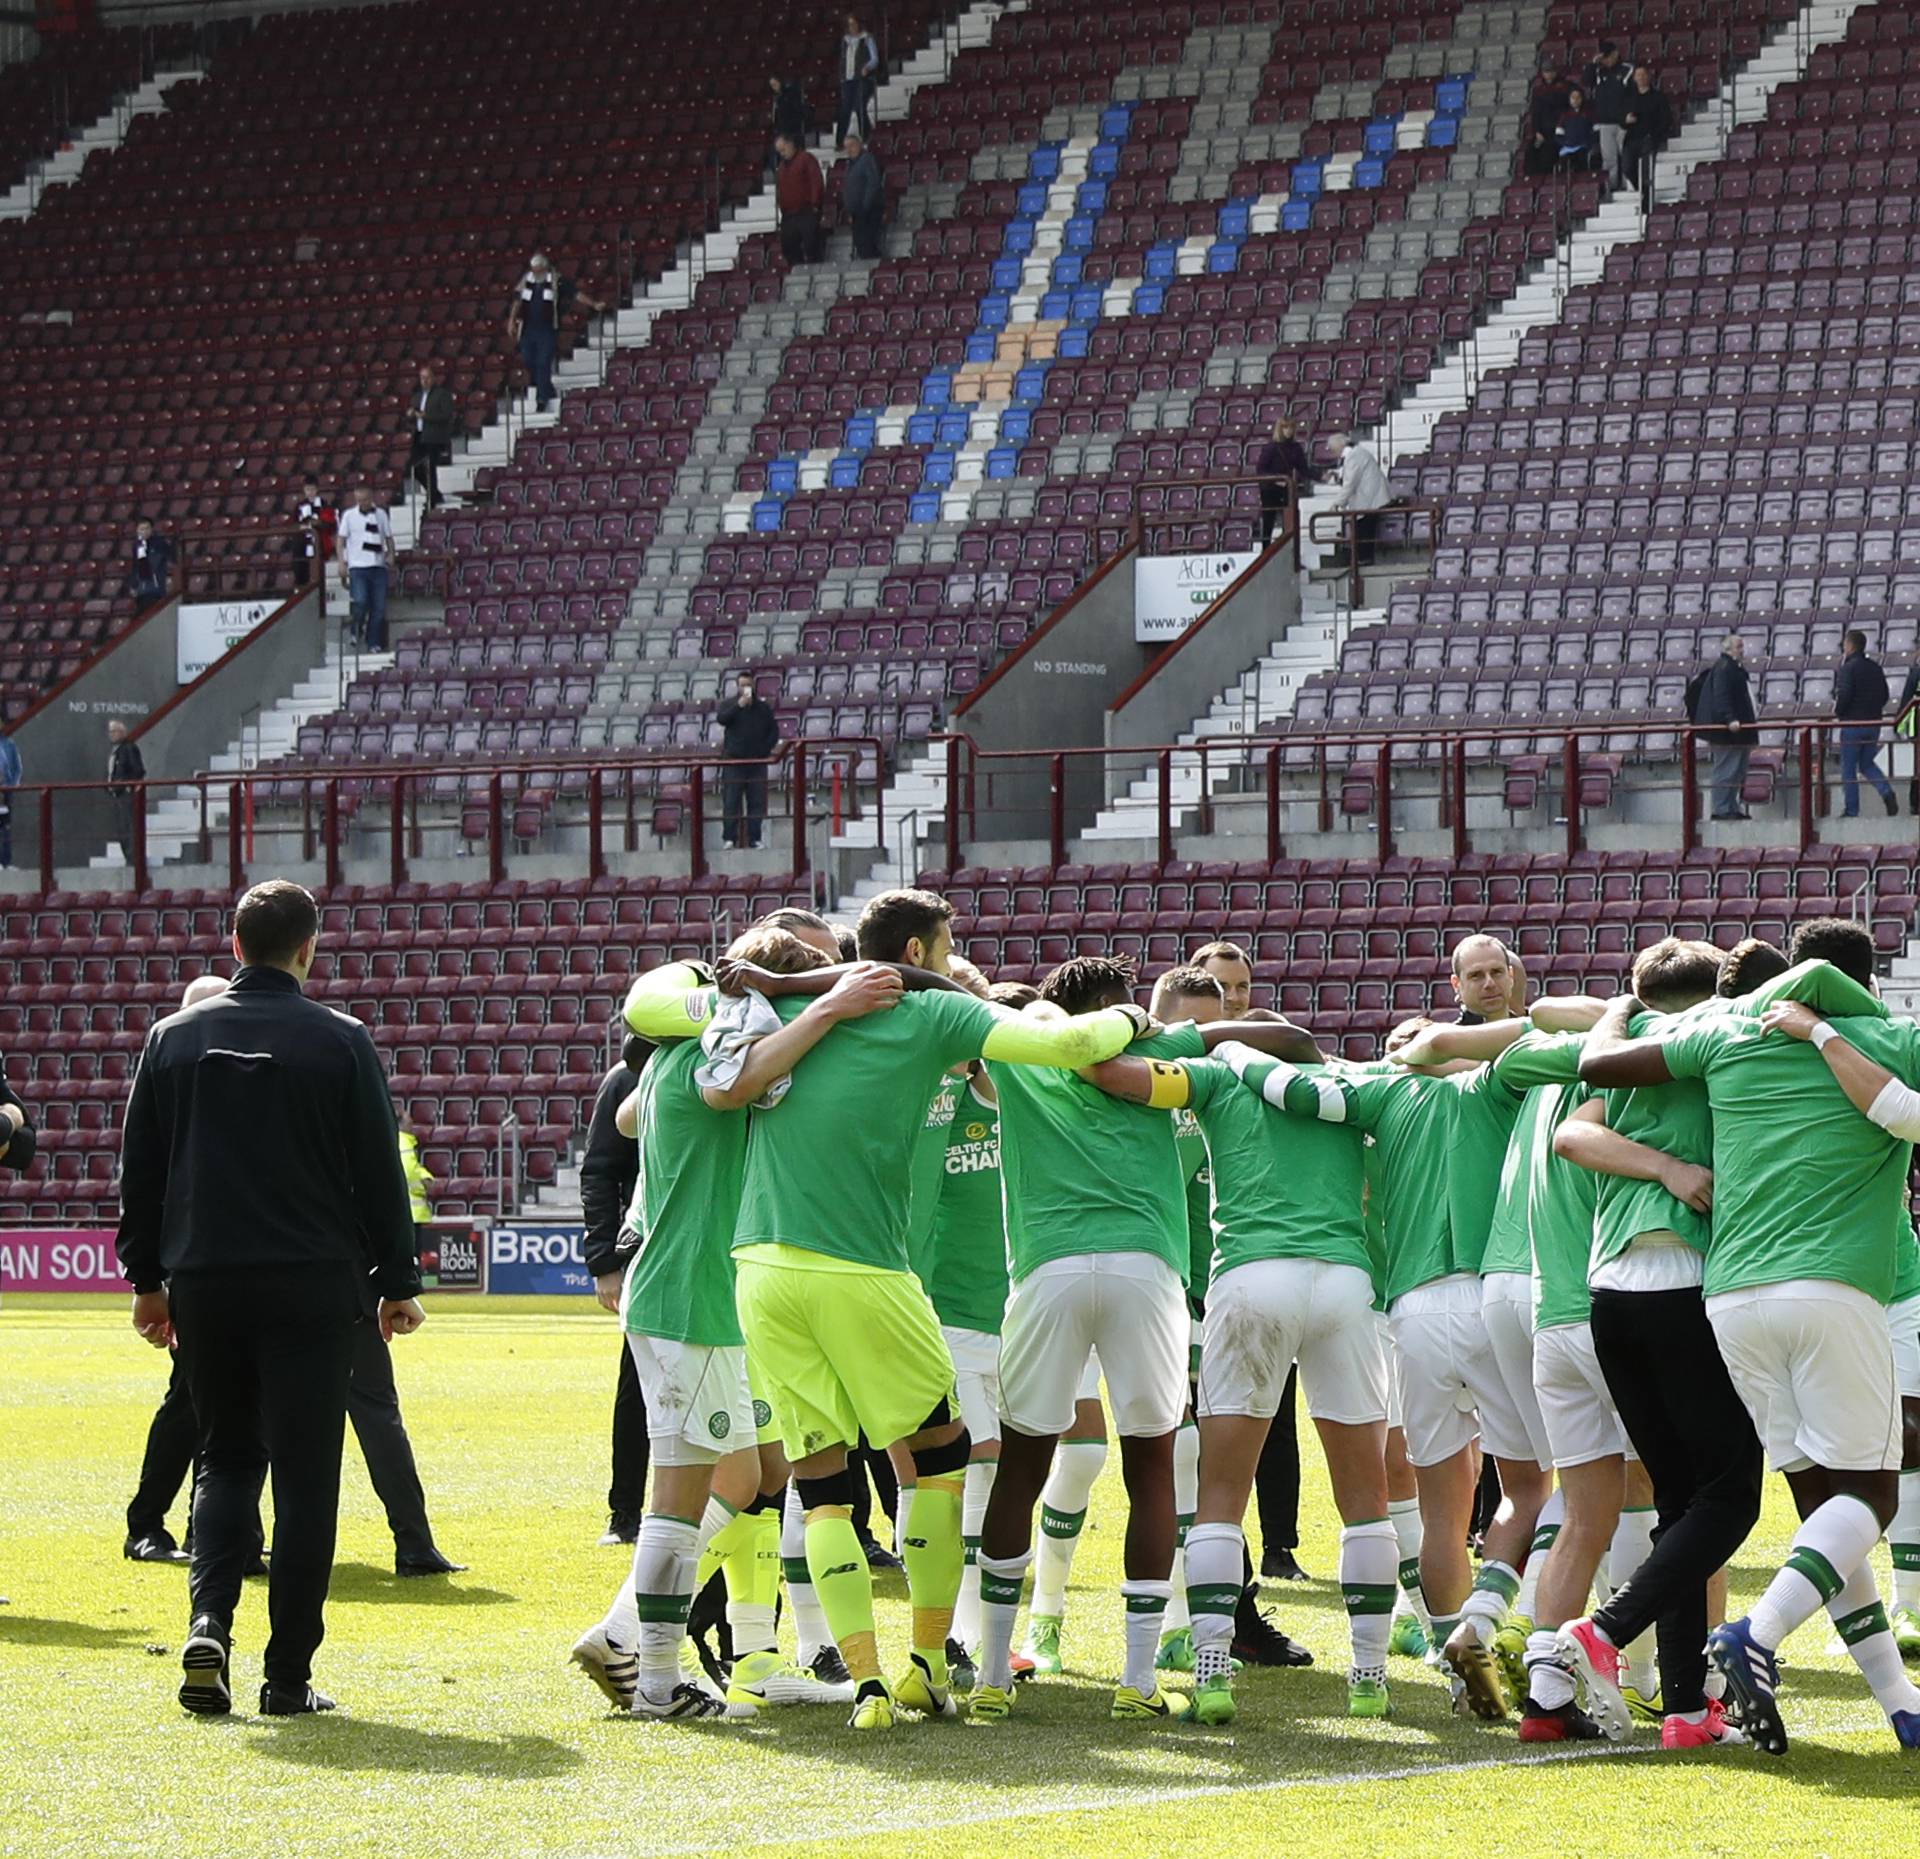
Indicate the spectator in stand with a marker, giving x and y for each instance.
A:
(366, 549)
(1284, 471)
(1608, 80)
(10, 772)
(152, 563)
(1649, 122)
(750, 732)
(125, 766)
(799, 190)
(320, 527)
(1575, 139)
(431, 413)
(540, 304)
(1361, 486)
(859, 67)
(791, 116)
(863, 192)
(1724, 711)
(1859, 702)
(1543, 119)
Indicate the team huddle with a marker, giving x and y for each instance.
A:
(1619, 1248)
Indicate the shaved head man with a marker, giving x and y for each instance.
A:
(1488, 981)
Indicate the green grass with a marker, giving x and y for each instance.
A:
(464, 1732)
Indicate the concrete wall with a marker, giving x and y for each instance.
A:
(1184, 681)
(1054, 693)
(179, 727)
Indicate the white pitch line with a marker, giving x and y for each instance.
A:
(1116, 1798)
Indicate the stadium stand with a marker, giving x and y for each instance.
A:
(219, 306)
(1125, 241)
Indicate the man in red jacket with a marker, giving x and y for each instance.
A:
(799, 189)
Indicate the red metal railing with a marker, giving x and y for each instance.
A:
(1353, 775)
(333, 800)
(1340, 526)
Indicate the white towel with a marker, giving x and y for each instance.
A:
(737, 1022)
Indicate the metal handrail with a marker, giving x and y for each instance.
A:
(323, 830)
(1805, 738)
(1349, 521)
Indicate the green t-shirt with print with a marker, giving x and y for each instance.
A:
(1082, 1172)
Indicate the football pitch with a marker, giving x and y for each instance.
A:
(463, 1730)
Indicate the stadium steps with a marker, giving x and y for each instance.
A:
(719, 250)
(1313, 645)
(173, 821)
(1902, 986)
(107, 132)
(173, 825)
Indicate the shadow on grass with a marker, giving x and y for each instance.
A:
(33, 1630)
(362, 1581)
(359, 1744)
(1883, 1772)
(1292, 1725)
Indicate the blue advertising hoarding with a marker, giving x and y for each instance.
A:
(537, 1258)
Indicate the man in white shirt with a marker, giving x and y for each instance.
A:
(1361, 486)
(365, 549)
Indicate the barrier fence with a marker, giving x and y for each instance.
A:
(312, 814)
(1458, 781)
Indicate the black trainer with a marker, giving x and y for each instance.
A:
(293, 1701)
(962, 1674)
(1280, 1565)
(829, 1667)
(157, 1546)
(203, 1667)
(1568, 1724)
(1257, 1641)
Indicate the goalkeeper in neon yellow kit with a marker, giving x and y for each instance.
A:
(841, 1329)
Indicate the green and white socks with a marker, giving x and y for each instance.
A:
(1186, 1495)
(1409, 1533)
(973, 1513)
(1861, 1621)
(1553, 1513)
(1063, 1515)
(1216, 1556)
(999, 1603)
(665, 1558)
(1146, 1605)
(1827, 1549)
(1369, 1562)
(1903, 1539)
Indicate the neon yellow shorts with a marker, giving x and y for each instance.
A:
(841, 1349)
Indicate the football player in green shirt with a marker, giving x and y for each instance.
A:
(964, 1267)
(1098, 1253)
(1451, 1388)
(1291, 1281)
(839, 1326)
(677, 1307)
(1877, 1094)
(1802, 1262)
(1652, 1150)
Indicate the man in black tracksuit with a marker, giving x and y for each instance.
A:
(750, 732)
(261, 1191)
(1724, 708)
(609, 1167)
